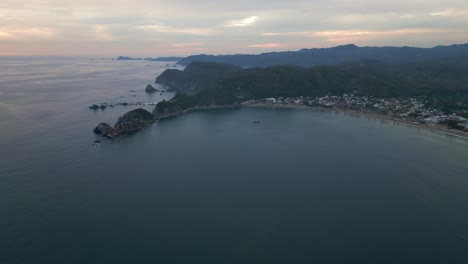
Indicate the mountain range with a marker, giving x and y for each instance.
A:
(334, 56)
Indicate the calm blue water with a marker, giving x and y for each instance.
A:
(211, 186)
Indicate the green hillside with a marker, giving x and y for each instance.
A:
(444, 84)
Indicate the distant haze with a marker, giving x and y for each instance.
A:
(184, 27)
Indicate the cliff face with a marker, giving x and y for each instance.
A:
(195, 77)
(129, 123)
(178, 81)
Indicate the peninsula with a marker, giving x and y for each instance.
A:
(130, 123)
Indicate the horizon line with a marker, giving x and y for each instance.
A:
(208, 54)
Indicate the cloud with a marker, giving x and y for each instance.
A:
(352, 36)
(6, 35)
(407, 16)
(383, 32)
(183, 45)
(449, 13)
(248, 21)
(149, 28)
(268, 46)
(361, 32)
(168, 29)
(102, 33)
(26, 33)
(292, 33)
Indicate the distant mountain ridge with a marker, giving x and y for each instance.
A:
(333, 56)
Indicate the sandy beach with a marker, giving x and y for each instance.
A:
(435, 128)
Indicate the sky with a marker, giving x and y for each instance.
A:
(152, 28)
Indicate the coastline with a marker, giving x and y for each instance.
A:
(434, 128)
(175, 114)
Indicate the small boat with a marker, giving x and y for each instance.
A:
(256, 122)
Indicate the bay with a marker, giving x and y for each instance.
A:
(212, 186)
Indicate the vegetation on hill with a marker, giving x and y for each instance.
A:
(442, 83)
(194, 77)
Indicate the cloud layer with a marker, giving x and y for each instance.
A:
(183, 27)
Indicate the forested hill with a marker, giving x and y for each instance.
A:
(444, 83)
(334, 56)
(195, 76)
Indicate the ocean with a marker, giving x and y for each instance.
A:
(212, 186)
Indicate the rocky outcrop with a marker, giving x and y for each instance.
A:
(166, 108)
(133, 121)
(94, 107)
(105, 130)
(150, 89)
(129, 123)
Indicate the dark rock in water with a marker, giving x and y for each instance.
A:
(97, 141)
(133, 121)
(129, 123)
(256, 122)
(150, 89)
(105, 130)
(94, 107)
(103, 107)
(127, 58)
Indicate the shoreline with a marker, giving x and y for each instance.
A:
(175, 114)
(433, 128)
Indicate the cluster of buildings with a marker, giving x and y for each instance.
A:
(413, 109)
